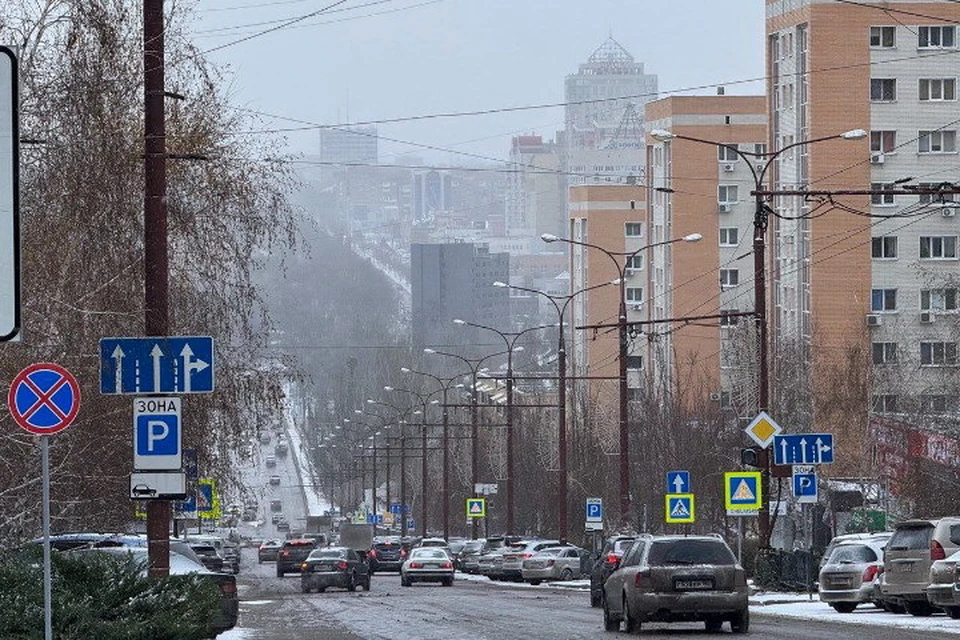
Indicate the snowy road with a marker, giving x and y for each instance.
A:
(275, 609)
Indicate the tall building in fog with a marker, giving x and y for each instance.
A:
(343, 146)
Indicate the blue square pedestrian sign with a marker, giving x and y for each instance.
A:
(679, 508)
(741, 490)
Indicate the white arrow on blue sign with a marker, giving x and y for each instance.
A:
(678, 482)
(156, 365)
(157, 436)
(803, 448)
(594, 510)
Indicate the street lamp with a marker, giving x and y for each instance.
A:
(509, 340)
(445, 385)
(625, 515)
(474, 366)
(401, 423)
(423, 453)
(561, 386)
(761, 210)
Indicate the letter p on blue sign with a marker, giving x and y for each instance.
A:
(157, 436)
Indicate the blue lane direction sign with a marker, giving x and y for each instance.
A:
(156, 365)
(157, 436)
(594, 510)
(805, 487)
(678, 482)
(803, 448)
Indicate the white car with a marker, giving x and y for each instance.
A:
(427, 564)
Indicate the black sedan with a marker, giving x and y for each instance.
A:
(334, 567)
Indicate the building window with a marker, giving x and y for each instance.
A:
(938, 354)
(760, 149)
(883, 300)
(937, 141)
(884, 247)
(930, 403)
(635, 263)
(729, 278)
(883, 89)
(884, 352)
(728, 236)
(883, 141)
(938, 89)
(634, 295)
(634, 362)
(938, 247)
(938, 299)
(938, 36)
(727, 317)
(881, 199)
(727, 194)
(935, 197)
(883, 37)
(727, 153)
(885, 403)
(633, 229)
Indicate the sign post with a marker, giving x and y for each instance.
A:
(44, 399)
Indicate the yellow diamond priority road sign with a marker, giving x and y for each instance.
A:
(476, 507)
(762, 429)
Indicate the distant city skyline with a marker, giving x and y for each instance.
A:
(372, 61)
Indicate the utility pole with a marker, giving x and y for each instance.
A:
(155, 240)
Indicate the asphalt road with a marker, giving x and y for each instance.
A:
(274, 609)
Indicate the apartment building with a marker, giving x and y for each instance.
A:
(866, 279)
(703, 187)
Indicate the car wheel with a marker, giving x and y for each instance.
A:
(535, 582)
(919, 609)
(844, 607)
(566, 574)
(366, 584)
(404, 581)
(321, 589)
(447, 582)
(352, 585)
(953, 612)
(713, 625)
(279, 573)
(741, 622)
(595, 600)
(630, 625)
(305, 589)
(609, 623)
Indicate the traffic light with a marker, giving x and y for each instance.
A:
(750, 457)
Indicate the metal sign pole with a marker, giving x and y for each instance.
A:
(47, 596)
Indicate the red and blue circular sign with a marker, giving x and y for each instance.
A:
(44, 398)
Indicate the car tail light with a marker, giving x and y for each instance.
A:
(936, 551)
(228, 588)
(284, 553)
(642, 580)
(446, 565)
(342, 565)
(613, 560)
(871, 572)
(403, 553)
(526, 555)
(373, 553)
(416, 565)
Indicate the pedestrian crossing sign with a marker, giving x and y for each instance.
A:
(476, 507)
(742, 490)
(679, 508)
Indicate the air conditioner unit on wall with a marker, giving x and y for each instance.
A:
(927, 317)
(876, 158)
(724, 207)
(948, 212)
(873, 320)
(729, 167)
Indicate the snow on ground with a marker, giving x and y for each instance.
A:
(316, 504)
(862, 615)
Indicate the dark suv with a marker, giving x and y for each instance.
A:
(606, 563)
(292, 554)
(386, 554)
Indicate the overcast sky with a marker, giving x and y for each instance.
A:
(379, 59)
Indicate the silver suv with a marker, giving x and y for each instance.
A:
(907, 559)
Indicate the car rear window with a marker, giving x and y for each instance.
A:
(672, 552)
(853, 553)
(298, 543)
(620, 546)
(549, 552)
(911, 539)
(325, 553)
(425, 552)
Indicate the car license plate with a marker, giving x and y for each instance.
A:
(841, 582)
(691, 585)
(904, 567)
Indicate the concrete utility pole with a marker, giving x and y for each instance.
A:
(155, 240)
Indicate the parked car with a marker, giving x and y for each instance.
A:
(490, 564)
(552, 563)
(228, 609)
(283, 525)
(677, 578)
(291, 555)
(427, 564)
(334, 567)
(908, 556)
(878, 536)
(940, 592)
(469, 556)
(386, 554)
(606, 563)
(268, 550)
(208, 555)
(275, 480)
(515, 554)
(846, 578)
(231, 556)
